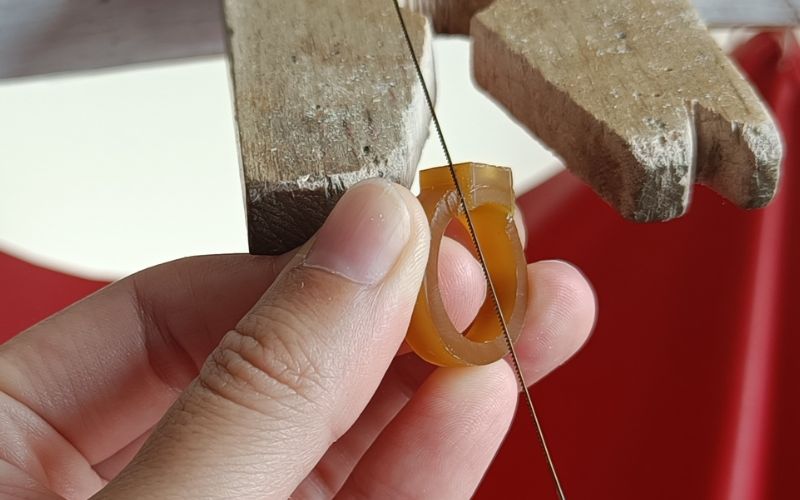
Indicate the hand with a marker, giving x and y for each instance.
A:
(264, 377)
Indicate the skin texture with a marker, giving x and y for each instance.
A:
(268, 377)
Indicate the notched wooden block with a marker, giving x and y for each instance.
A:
(325, 96)
(634, 95)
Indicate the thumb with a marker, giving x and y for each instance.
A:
(299, 367)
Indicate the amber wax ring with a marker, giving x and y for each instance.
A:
(489, 195)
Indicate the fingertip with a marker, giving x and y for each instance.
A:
(575, 293)
(407, 275)
(561, 315)
(461, 283)
(421, 234)
(445, 437)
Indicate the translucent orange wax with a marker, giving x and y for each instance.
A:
(490, 197)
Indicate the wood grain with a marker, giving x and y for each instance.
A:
(634, 95)
(325, 96)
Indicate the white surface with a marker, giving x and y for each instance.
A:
(105, 173)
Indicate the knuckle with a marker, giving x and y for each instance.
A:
(266, 360)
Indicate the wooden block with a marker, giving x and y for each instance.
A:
(325, 95)
(634, 95)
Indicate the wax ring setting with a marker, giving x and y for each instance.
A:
(489, 195)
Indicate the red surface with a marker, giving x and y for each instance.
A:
(690, 385)
(29, 294)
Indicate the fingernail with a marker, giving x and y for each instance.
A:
(364, 234)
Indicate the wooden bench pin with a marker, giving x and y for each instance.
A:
(325, 96)
(634, 95)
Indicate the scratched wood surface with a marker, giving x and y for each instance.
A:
(325, 96)
(635, 96)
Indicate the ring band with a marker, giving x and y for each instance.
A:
(488, 192)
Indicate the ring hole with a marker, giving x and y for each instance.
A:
(461, 280)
